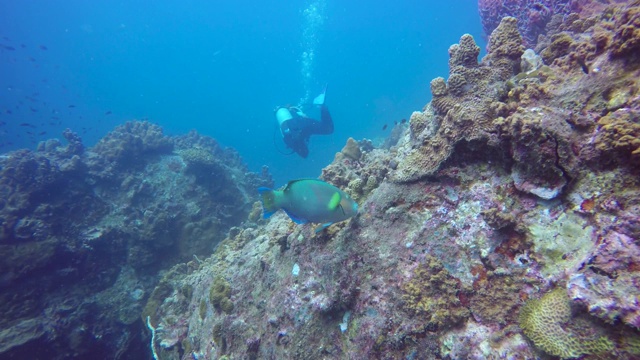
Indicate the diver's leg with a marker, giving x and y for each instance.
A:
(326, 123)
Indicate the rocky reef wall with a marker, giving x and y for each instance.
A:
(501, 223)
(85, 231)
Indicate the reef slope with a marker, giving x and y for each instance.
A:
(501, 223)
(84, 233)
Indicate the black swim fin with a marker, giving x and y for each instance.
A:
(320, 99)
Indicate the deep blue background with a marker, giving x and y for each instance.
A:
(220, 67)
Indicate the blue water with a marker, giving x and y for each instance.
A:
(221, 67)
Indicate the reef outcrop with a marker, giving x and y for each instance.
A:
(84, 232)
(505, 213)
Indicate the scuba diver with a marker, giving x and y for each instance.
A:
(296, 127)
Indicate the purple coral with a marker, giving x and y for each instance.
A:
(532, 15)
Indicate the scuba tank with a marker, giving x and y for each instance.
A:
(283, 115)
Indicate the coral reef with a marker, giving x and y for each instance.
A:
(532, 16)
(545, 320)
(501, 223)
(432, 293)
(464, 107)
(84, 231)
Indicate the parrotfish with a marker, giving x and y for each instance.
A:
(309, 200)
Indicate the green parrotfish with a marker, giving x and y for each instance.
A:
(309, 200)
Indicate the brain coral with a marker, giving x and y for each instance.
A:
(543, 322)
(464, 53)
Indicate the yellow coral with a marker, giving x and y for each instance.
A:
(618, 133)
(542, 321)
(220, 295)
(433, 293)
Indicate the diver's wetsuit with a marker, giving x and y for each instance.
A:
(297, 130)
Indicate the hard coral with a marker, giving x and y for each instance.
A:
(532, 15)
(543, 322)
(619, 135)
(626, 41)
(464, 53)
(352, 149)
(220, 294)
(433, 292)
(463, 107)
(129, 142)
(505, 48)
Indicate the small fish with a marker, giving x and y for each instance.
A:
(108, 113)
(309, 200)
(71, 106)
(42, 47)
(33, 109)
(384, 127)
(41, 133)
(583, 65)
(7, 47)
(32, 59)
(403, 121)
(27, 125)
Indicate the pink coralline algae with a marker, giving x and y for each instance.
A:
(532, 15)
(608, 288)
